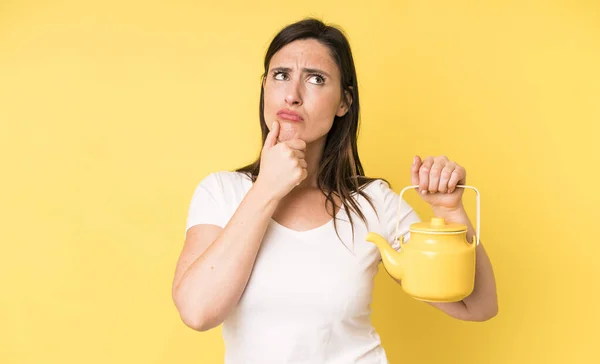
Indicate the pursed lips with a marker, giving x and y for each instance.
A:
(289, 115)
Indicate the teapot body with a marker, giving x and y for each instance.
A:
(437, 263)
(438, 268)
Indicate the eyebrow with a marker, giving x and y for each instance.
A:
(305, 70)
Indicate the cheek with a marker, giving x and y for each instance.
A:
(322, 113)
(267, 96)
(325, 105)
(271, 96)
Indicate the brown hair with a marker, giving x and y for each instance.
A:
(340, 169)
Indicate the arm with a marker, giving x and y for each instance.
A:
(214, 267)
(215, 264)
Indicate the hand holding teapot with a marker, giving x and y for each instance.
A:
(437, 179)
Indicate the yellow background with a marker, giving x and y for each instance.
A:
(112, 111)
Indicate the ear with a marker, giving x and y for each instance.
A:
(344, 104)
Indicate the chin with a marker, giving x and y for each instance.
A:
(289, 130)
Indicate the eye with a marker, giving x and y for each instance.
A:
(280, 75)
(317, 79)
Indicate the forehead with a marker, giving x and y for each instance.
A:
(304, 53)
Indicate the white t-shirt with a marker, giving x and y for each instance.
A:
(308, 297)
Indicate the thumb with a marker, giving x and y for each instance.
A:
(271, 139)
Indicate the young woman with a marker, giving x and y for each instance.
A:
(276, 250)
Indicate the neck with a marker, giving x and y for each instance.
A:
(313, 155)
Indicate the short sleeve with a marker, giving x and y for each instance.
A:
(207, 204)
(393, 212)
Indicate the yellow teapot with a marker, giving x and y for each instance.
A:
(437, 263)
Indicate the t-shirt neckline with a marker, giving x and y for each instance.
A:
(302, 233)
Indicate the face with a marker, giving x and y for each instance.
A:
(302, 91)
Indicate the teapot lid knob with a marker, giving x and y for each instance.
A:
(437, 222)
(437, 225)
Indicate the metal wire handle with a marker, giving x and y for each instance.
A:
(478, 222)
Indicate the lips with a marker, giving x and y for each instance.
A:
(290, 115)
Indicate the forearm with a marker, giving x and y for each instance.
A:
(213, 284)
(482, 303)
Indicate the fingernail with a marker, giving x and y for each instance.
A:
(414, 161)
(273, 125)
(424, 192)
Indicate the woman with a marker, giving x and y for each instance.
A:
(276, 251)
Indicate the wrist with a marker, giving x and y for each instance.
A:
(263, 193)
(448, 212)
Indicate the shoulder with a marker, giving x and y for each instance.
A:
(225, 180)
(374, 196)
(377, 189)
(227, 188)
(384, 197)
(394, 214)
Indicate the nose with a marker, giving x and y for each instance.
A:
(293, 93)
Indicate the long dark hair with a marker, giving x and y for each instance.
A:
(340, 169)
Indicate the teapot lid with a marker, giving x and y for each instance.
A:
(437, 224)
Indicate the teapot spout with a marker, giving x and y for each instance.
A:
(392, 260)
